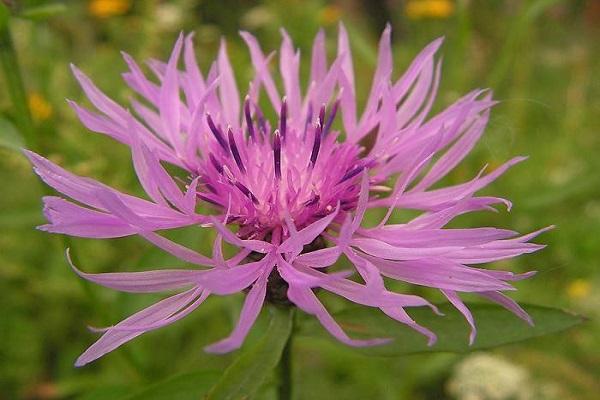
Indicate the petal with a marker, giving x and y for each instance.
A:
(318, 68)
(439, 273)
(153, 314)
(289, 66)
(141, 282)
(235, 279)
(261, 68)
(456, 153)
(195, 86)
(306, 235)
(176, 249)
(507, 303)
(383, 72)
(228, 91)
(169, 101)
(402, 316)
(99, 99)
(378, 248)
(320, 258)
(453, 298)
(306, 300)
(250, 310)
(406, 236)
(254, 245)
(71, 219)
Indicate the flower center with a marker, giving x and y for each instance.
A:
(299, 171)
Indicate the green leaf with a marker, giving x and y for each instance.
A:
(495, 327)
(43, 12)
(4, 16)
(9, 135)
(188, 386)
(246, 374)
(106, 393)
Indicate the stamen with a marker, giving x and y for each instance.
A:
(234, 151)
(314, 200)
(209, 200)
(316, 146)
(277, 154)
(262, 124)
(283, 118)
(249, 122)
(215, 163)
(246, 191)
(230, 177)
(332, 114)
(308, 118)
(216, 132)
(352, 173)
(322, 114)
(210, 187)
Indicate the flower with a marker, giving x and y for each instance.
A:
(418, 9)
(489, 377)
(108, 8)
(40, 109)
(290, 193)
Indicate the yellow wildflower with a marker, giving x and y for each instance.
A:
(417, 9)
(579, 289)
(40, 108)
(330, 15)
(108, 8)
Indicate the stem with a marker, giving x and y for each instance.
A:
(284, 390)
(14, 81)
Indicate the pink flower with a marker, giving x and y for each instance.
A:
(290, 193)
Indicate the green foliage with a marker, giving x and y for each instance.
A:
(187, 386)
(10, 136)
(246, 374)
(495, 327)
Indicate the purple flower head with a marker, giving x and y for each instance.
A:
(290, 191)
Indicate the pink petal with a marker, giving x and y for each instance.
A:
(155, 313)
(306, 300)
(250, 310)
(142, 282)
(228, 91)
(453, 297)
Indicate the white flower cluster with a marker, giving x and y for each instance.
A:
(487, 377)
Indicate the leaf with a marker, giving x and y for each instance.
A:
(4, 16)
(106, 393)
(246, 374)
(495, 327)
(187, 386)
(9, 135)
(43, 12)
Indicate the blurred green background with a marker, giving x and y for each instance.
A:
(540, 57)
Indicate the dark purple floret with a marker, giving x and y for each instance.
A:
(277, 154)
(248, 116)
(331, 118)
(246, 191)
(234, 151)
(216, 132)
(218, 166)
(352, 173)
(262, 123)
(316, 145)
(307, 120)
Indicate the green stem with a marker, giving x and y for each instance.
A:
(284, 390)
(14, 82)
